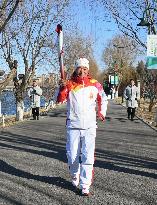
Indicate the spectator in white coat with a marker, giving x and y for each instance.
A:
(35, 93)
(131, 94)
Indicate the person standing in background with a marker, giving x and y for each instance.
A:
(131, 94)
(35, 93)
(113, 92)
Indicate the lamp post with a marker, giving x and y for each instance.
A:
(139, 86)
(117, 70)
(114, 72)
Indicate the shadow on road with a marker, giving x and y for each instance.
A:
(57, 181)
(57, 151)
(57, 113)
(54, 149)
(120, 162)
(11, 200)
(127, 132)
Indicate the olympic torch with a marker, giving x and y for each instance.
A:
(60, 50)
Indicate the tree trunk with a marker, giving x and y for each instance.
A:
(155, 117)
(151, 104)
(19, 110)
(116, 93)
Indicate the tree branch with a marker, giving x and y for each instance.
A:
(9, 16)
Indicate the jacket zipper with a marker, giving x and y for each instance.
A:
(83, 101)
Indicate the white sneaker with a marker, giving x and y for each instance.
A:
(75, 181)
(85, 192)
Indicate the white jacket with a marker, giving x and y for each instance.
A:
(81, 103)
(34, 93)
(131, 94)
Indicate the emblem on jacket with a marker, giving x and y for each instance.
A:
(91, 95)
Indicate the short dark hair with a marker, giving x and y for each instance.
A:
(131, 80)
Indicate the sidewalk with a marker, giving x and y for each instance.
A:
(33, 169)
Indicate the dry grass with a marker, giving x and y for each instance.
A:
(143, 112)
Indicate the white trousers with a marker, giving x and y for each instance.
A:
(80, 149)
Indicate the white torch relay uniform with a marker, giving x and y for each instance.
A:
(82, 95)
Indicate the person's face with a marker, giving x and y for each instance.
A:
(34, 84)
(132, 82)
(82, 71)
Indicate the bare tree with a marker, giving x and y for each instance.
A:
(119, 56)
(7, 10)
(120, 48)
(128, 14)
(31, 41)
(120, 52)
(76, 46)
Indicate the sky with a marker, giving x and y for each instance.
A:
(95, 24)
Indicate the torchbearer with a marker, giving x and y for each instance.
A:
(82, 92)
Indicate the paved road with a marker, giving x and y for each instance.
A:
(33, 169)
